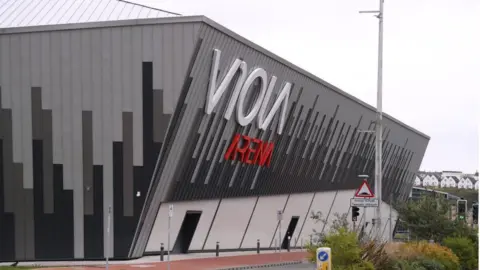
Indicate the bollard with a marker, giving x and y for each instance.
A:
(288, 244)
(217, 249)
(324, 258)
(161, 252)
(258, 246)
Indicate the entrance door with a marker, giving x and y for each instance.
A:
(187, 230)
(290, 230)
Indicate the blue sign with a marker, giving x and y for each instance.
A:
(323, 256)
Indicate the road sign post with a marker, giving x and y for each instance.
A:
(170, 215)
(279, 218)
(108, 236)
(324, 258)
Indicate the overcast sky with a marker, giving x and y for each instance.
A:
(431, 56)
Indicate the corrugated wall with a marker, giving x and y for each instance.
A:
(77, 133)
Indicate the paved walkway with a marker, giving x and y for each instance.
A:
(200, 264)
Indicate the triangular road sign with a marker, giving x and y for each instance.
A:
(364, 191)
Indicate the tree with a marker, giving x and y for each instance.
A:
(427, 218)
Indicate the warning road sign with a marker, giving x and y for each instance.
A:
(364, 191)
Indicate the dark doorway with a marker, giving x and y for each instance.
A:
(289, 233)
(187, 230)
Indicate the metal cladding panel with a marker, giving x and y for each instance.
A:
(83, 117)
(319, 149)
(197, 169)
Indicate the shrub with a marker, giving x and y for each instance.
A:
(432, 251)
(375, 252)
(346, 252)
(465, 250)
(418, 264)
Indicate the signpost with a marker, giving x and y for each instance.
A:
(170, 215)
(279, 218)
(108, 234)
(324, 258)
(364, 197)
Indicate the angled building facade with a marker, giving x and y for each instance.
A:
(108, 123)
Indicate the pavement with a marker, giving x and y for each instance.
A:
(199, 261)
(302, 266)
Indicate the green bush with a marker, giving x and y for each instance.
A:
(418, 264)
(430, 264)
(346, 251)
(418, 251)
(465, 250)
(376, 253)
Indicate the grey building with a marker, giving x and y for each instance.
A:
(111, 111)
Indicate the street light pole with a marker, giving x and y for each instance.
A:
(378, 125)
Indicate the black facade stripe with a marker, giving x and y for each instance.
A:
(7, 222)
(127, 151)
(92, 193)
(339, 156)
(48, 189)
(87, 155)
(123, 224)
(19, 206)
(331, 163)
(93, 224)
(315, 146)
(160, 119)
(344, 173)
(327, 149)
(8, 172)
(62, 219)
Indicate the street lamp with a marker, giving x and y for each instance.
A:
(378, 126)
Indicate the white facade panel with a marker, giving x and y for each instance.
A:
(77, 146)
(107, 148)
(231, 222)
(5, 79)
(297, 205)
(160, 228)
(137, 105)
(116, 90)
(26, 101)
(340, 206)
(321, 203)
(264, 221)
(66, 107)
(127, 83)
(86, 69)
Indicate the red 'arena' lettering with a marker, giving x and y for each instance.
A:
(250, 150)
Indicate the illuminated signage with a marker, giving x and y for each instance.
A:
(250, 150)
(242, 86)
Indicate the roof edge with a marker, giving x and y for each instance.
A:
(217, 26)
(306, 73)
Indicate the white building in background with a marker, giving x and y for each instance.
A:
(418, 180)
(466, 182)
(447, 179)
(431, 180)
